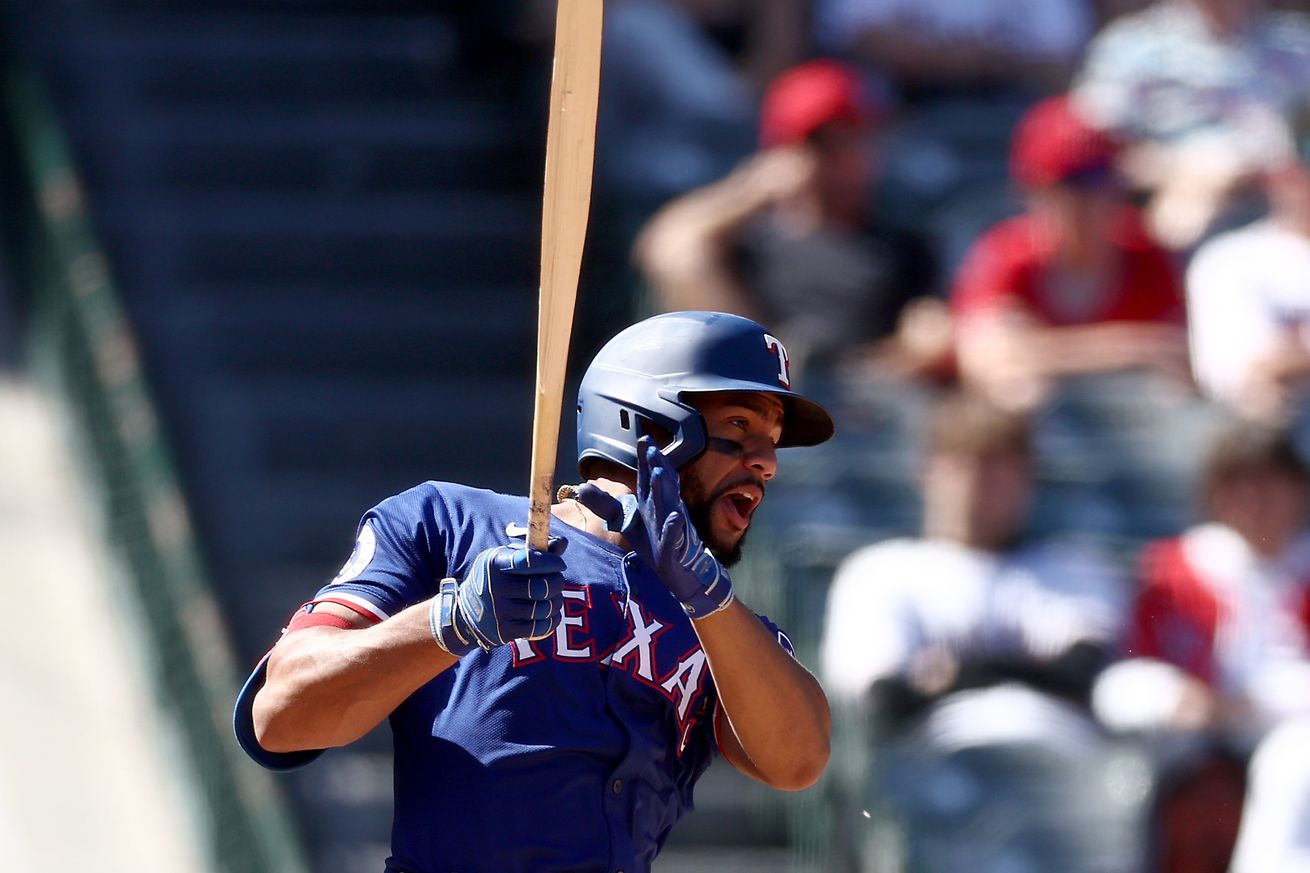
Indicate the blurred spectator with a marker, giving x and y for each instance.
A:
(789, 236)
(971, 603)
(1109, 10)
(1275, 833)
(682, 82)
(1249, 299)
(972, 638)
(1073, 285)
(763, 37)
(1218, 646)
(942, 48)
(1197, 86)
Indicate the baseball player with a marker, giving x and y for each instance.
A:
(552, 710)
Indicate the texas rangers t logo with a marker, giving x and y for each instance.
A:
(773, 344)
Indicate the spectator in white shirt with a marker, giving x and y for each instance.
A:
(1248, 299)
(970, 599)
(970, 638)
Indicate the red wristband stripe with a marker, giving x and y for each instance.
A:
(302, 620)
(364, 607)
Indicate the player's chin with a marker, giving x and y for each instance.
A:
(729, 556)
(724, 538)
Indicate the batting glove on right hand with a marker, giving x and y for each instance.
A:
(657, 526)
(510, 593)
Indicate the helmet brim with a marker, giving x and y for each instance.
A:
(804, 422)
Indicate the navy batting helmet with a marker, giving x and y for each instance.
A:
(643, 375)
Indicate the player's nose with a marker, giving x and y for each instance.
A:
(761, 456)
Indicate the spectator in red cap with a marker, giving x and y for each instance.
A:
(790, 236)
(809, 96)
(1073, 285)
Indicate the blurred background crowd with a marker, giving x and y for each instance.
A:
(1047, 262)
(1051, 263)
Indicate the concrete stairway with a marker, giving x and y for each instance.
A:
(93, 778)
(323, 216)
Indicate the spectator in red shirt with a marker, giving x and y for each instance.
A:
(1219, 664)
(1073, 285)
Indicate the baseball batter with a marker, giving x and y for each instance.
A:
(552, 710)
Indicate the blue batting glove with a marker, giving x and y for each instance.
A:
(510, 593)
(657, 526)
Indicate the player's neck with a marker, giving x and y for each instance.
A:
(577, 516)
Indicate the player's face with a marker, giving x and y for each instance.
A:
(725, 485)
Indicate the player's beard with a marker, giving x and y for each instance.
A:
(699, 507)
(728, 554)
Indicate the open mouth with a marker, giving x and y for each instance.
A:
(740, 502)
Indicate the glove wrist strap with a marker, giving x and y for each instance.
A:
(703, 605)
(444, 620)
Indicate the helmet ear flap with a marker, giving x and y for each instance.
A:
(611, 424)
(686, 444)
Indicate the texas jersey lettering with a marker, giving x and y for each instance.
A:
(613, 712)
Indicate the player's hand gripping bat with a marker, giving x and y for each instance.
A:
(570, 153)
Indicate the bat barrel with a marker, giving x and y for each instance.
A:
(566, 202)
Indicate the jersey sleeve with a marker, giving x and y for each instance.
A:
(398, 560)
(243, 725)
(779, 634)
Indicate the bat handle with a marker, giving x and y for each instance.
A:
(539, 512)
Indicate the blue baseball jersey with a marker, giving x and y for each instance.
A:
(577, 752)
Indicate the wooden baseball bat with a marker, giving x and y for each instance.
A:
(570, 154)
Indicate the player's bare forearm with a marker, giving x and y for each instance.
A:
(777, 726)
(329, 686)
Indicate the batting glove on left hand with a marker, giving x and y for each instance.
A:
(657, 526)
(510, 593)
